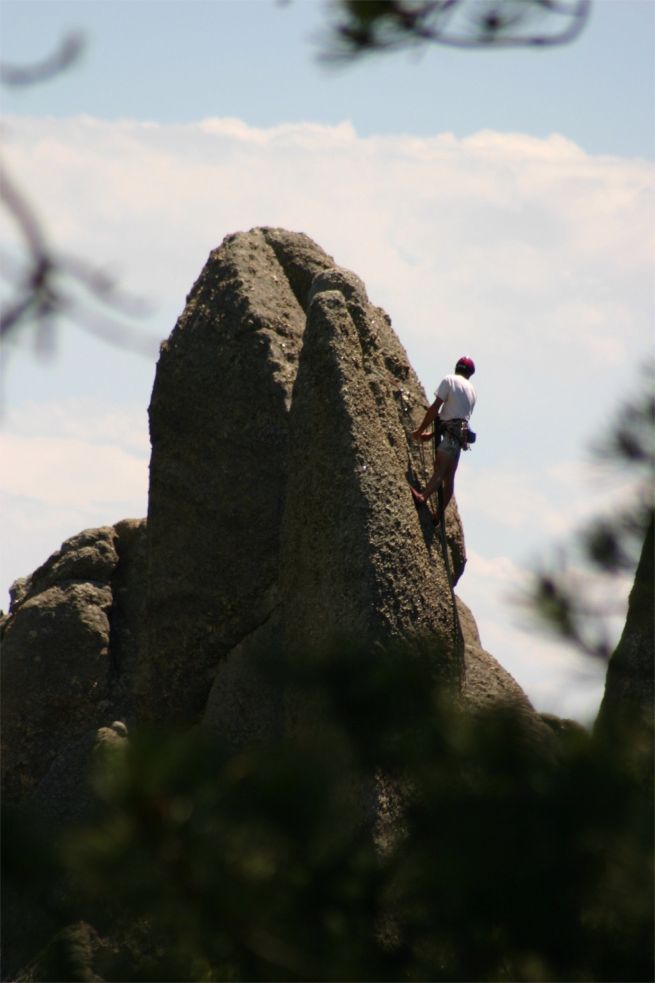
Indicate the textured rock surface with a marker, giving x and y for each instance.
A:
(71, 627)
(629, 691)
(63, 797)
(218, 421)
(351, 532)
(89, 556)
(220, 473)
(51, 695)
(246, 704)
(278, 512)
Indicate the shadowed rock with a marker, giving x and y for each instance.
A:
(89, 556)
(64, 796)
(55, 673)
(629, 698)
(246, 704)
(279, 517)
(218, 421)
(68, 650)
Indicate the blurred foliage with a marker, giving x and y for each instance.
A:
(67, 53)
(569, 601)
(363, 26)
(390, 836)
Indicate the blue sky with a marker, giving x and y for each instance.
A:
(496, 203)
(257, 60)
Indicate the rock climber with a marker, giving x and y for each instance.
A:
(450, 413)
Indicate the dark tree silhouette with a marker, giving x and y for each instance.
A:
(362, 26)
(490, 859)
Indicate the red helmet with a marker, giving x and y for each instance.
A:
(466, 363)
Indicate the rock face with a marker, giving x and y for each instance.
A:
(218, 423)
(279, 421)
(350, 529)
(629, 690)
(278, 514)
(68, 643)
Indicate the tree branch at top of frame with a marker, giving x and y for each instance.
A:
(364, 26)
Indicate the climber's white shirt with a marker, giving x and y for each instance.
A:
(458, 397)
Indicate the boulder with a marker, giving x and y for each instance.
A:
(89, 556)
(68, 651)
(55, 670)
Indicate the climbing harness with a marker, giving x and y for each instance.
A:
(459, 430)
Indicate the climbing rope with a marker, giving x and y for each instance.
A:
(441, 513)
(440, 519)
(457, 628)
(424, 465)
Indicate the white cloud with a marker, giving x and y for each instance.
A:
(506, 575)
(535, 508)
(557, 677)
(493, 231)
(56, 471)
(512, 499)
(67, 466)
(84, 420)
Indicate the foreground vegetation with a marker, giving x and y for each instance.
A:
(478, 852)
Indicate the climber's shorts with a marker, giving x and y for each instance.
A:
(450, 445)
